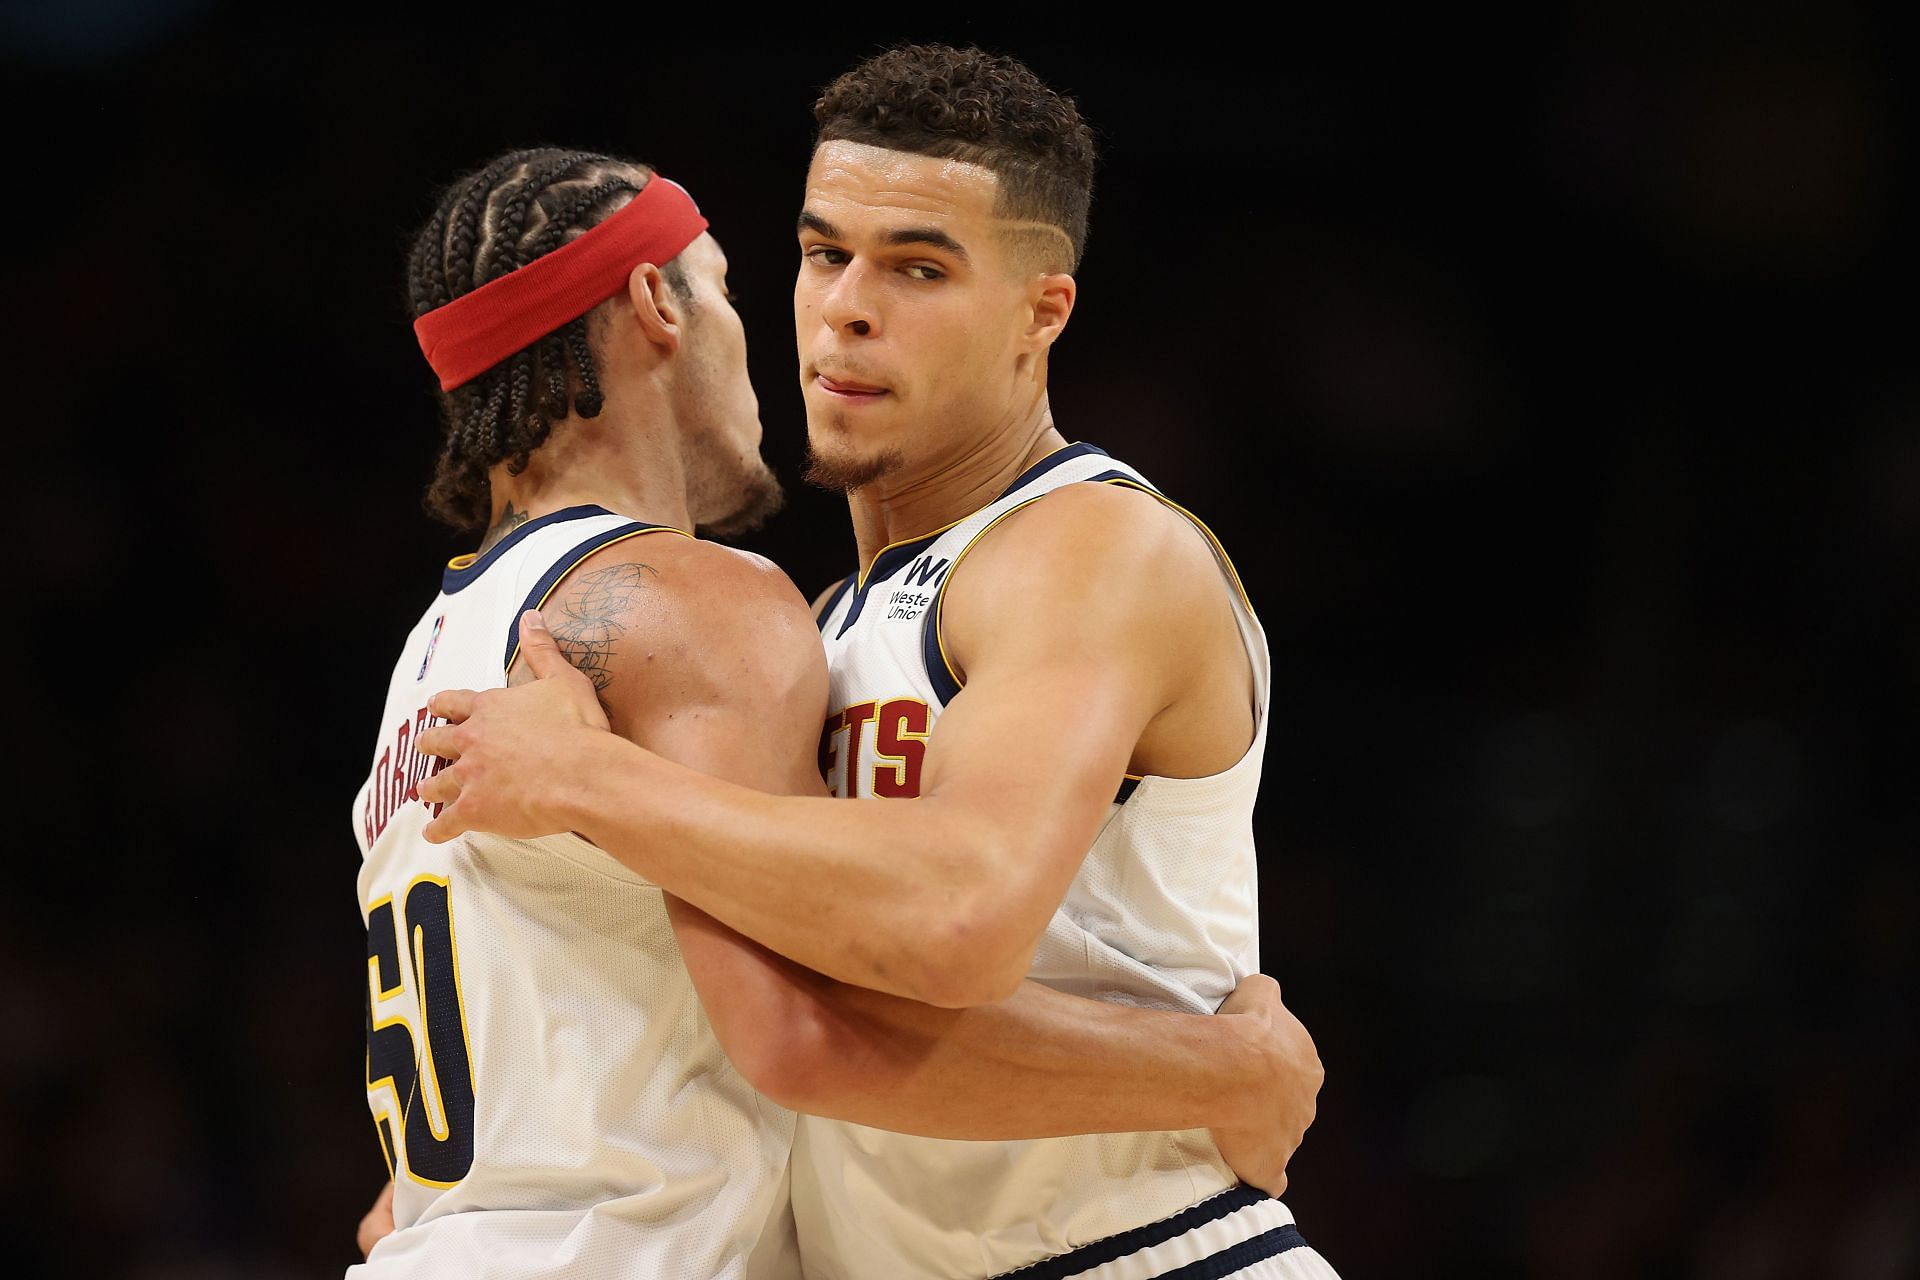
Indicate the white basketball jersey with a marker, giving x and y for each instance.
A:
(546, 1087)
(1162, 913)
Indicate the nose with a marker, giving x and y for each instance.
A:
(848, 305)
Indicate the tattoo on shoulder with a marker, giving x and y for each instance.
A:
(591, 613)
(510, 519)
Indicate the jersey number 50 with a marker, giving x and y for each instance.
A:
(423, 1059)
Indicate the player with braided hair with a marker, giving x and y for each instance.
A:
(521, 207)
(562, 1060)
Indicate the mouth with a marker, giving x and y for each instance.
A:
(849, 390)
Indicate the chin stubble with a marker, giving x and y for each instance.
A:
(844, 475)
(760, 500)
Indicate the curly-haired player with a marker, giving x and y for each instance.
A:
(1048, 670)
(572, 1074)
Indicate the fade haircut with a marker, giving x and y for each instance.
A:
(980, 108)
(522, 205)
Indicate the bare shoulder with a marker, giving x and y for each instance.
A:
(669, 583)
(677, 620)
(1106, 539)
(1108, 593)
(753, 567)
(726, 587)
(752, 623)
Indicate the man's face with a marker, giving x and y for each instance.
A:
(729, 487)
(912, 319)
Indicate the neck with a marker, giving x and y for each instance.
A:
(900, 508)
(629, 467)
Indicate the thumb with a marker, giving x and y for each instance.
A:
(538, 649)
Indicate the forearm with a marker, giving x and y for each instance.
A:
(884, 896)
(1041, 1064)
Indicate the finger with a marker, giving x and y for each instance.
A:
(441, 741)
(378, 1224)
(440, 788)
(1273, 1183)
(379, 1220)
(450, 825)
(539, 650)
(452, 705)
(373, 1229)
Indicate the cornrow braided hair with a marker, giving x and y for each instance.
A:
(496, 220)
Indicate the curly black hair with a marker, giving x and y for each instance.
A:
(521, 205)
(983, 108)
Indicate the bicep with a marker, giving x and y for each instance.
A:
(726, 678)
(1067, 658)
(753, 997)
(758, 1002)
(1038, 744)
(767, 747)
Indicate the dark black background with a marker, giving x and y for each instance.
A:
(1553, 385)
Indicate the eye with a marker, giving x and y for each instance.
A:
(920, 271)
(826, 257)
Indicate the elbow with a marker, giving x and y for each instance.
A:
(972, 959)
(785, 1058)
(975, 942)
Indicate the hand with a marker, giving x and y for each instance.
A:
(509, 753)
(1282, 1098)
(378, 1224)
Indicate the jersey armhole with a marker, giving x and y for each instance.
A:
(835, 594)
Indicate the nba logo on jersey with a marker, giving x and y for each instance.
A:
(433, 640)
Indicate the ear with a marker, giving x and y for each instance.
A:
(654, 308)
(1051, 297)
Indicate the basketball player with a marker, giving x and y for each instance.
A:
(551, 1096)
(1049, 669)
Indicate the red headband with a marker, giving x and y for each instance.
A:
(478, 330)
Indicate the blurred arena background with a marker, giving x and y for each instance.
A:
(1553, 384)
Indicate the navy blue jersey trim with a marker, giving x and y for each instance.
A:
(833, 601)
(1241, 1256)
(1108, 477)
(560, 569)
(455, 580)
(1051, 461)
(885, 565)
(944, 685)
(1127, 787)
(1101, 1252)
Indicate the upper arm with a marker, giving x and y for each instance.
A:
(1068, 624)
(709, 658)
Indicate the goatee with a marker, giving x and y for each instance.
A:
(845, 474)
